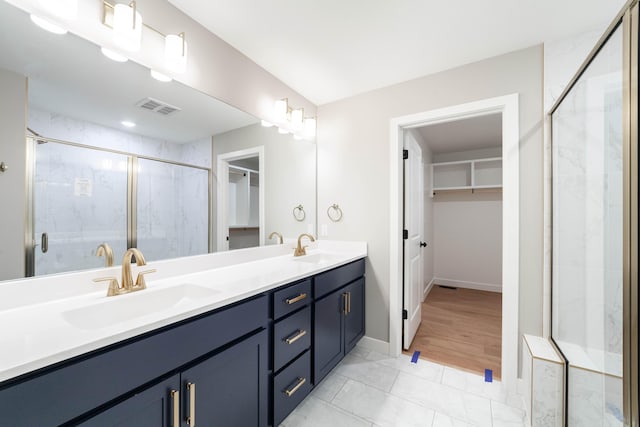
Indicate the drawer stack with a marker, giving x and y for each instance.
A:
(291, 343)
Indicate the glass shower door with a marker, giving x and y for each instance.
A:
(80, 202)
(172, 210)
(587, 259)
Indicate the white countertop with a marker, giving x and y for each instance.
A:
(50, 319)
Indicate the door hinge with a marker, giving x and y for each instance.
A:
(405, 154)
(405, 234)
(405, 315)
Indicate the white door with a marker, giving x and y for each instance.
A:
(414, 224)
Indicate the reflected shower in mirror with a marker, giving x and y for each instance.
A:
(119, 159)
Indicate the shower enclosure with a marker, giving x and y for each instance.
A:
(84, 196)
(595, 234)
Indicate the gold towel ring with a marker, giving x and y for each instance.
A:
(298, 213)
(334, 212)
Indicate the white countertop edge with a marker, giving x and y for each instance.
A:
(102, 341)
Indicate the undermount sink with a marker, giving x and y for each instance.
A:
(318, 258)
(123, 308)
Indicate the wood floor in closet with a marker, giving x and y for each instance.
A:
(461, 328)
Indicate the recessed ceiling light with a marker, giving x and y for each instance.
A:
(47, 25)
(112, 55)
(127, 123)
(266, 124)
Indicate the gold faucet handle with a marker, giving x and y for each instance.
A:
(114, 286)
(140, 282)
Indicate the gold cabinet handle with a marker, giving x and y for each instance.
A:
(191, 417)
(296, 299)
(175, 399)
(348, 302)
(296, 337)
(291, 392)
(344, 303)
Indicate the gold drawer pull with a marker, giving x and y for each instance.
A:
(299, 334)
(301, 381)
(175, 398)
(296, 299)
(191, 418)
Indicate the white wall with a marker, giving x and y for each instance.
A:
(13, 107)
(289, 175)
(467, 240)
(353, 167)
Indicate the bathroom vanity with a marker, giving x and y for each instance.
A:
(242, 344)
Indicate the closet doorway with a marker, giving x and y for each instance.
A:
(507, 108)
(460, 219)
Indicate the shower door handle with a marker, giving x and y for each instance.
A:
(44, 243)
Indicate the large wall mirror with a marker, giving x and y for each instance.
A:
(118, 159)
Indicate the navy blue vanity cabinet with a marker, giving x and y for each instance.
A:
(77, 389)
(338, 316)
(229, 388)
(156, 406)
(291, 342)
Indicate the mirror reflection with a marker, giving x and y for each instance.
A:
(118, 159)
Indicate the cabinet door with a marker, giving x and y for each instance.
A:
(231, 387)
(328, 338)
(354, 318)
(152, 407)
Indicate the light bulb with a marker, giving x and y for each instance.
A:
(280, 108)
(160, 77)
(47, 25)
(127, 27)
(175, 53)
(127, 123)
(297, 117)
(113, 55)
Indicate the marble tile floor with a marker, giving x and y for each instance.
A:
(370, 389)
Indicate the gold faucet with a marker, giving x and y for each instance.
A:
(105, 250)
(127, 281)
(276, 234)
(301, 250)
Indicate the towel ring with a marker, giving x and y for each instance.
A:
(299, 214)
(334, 212)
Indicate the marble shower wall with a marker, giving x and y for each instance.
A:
(81, 194)
(587, 213)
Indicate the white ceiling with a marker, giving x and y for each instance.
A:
(332, 49)
(463, 135)
(69, 76)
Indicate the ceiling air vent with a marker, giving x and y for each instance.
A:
(157, 106)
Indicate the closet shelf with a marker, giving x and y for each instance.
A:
(472, 174)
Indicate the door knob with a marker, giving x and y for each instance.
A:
(3, 167)
(423, 244)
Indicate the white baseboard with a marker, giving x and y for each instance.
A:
(374, 344)
(428, 288)
(468, 285)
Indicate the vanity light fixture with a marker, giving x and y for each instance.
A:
(127, 123)
(47, 25)
(113, 55)
(160, 77)
(127, 26)
(292, 120)
(65, 9)
(175, 53)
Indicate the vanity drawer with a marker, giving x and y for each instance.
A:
(291, 336)
(290, 387)
(291, 298)
(331, 280)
